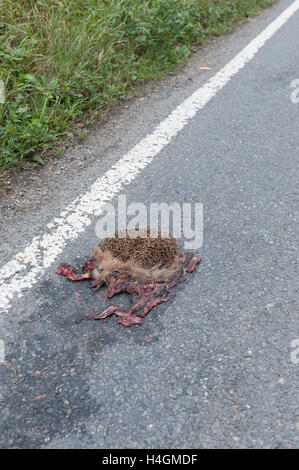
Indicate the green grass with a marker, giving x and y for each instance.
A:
(62, 58)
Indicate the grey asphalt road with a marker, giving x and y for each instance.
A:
(213, 368)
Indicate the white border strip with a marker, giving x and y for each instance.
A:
(44, 250)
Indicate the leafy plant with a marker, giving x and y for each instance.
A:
(62, 58)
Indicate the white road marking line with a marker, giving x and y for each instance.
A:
(44, 250)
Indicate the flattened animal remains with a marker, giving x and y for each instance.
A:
(143, 262)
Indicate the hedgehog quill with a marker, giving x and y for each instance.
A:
(144, 262)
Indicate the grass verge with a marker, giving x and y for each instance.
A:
(62, 58)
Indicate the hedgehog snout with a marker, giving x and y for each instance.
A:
(98, 274)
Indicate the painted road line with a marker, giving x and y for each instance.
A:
(27, 267)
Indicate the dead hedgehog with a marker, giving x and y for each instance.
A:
(145, 254)
(143, 262)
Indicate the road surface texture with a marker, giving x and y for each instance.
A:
(213, 368)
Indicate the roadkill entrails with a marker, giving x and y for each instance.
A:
(144, 263)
